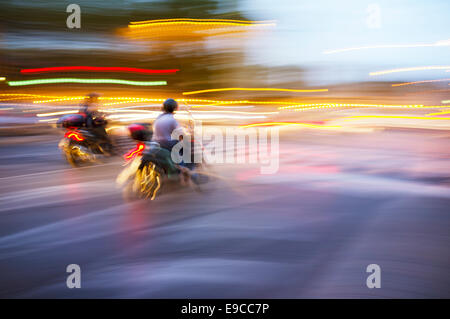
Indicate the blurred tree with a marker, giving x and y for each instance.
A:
(35, 35)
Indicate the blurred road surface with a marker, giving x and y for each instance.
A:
(337, 204)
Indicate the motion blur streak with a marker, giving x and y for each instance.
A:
(202, 22)
(56, 113)
(72, 98)
(234, 112)
(138, 116)
(122, 102)
(25, 95)
(291, 124)
(235, 102)
(304, 107)
(395, 117)
(184, 29)
(12, 98)
(87, 81)
(253, 89)
(48, 120)
(418, 68)
(439, 113)
(420, 82)
(61, 99)
(2, 78)
(96, 69)
(138, 99)
(356, 169)
(390, 46)
(198, 20)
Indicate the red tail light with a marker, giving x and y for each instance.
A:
(135, 151)
(74, 136)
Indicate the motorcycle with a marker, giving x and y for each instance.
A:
(149, 169)
(79, 145)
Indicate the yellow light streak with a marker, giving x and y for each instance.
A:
(12, 98)
(26, 95)
(351, 118)
(235, 112)
(301, 107)
(439, 113)
(419, 82)
(135, 99)
(286, 105)
(199, 20)
(60, 99)
(209, 24)
(291, 124)
(121, 102)
(253, 89)
(418, 68)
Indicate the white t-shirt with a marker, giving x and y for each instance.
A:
(163, 127)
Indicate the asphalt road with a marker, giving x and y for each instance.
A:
(337, 204)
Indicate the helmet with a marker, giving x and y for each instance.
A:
(140, 132)
(72, 120)
(170, 105)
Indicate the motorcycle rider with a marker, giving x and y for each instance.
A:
(165, 124)
(163, 127)
(95, 122)
(89, 109)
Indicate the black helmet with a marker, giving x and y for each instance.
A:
(140, 132)
(170, 105)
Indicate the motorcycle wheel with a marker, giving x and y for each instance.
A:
(147, 182)
(76, 156)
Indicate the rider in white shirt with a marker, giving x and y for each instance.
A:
(165, 124)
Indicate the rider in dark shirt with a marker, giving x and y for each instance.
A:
(95, 121)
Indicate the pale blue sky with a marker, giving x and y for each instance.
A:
(306, 28)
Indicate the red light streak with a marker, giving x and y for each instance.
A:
(74, 136)
(135, 151)
(96, 69)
